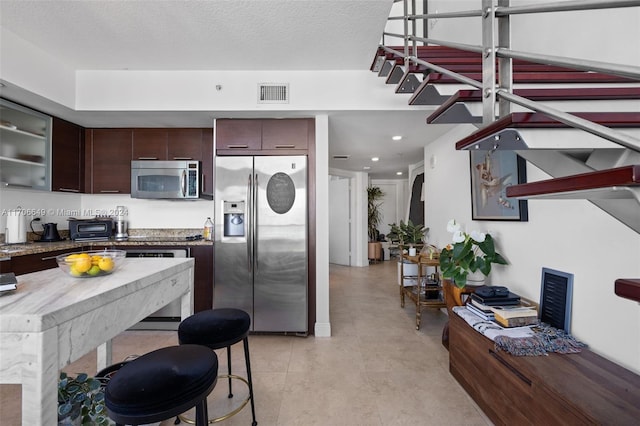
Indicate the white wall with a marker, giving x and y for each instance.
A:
(568, 235)
(609, 35)
(57, 207)
(394, 202)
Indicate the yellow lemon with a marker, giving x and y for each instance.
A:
(82, 264)
(73, 271)
(71, 257)
(106, 264)
(95, 259)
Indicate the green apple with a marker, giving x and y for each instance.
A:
(94, 270)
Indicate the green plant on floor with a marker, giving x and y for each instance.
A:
(81, 399)
(374, 195)
(407, 233)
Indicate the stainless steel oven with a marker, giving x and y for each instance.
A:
(167, 318)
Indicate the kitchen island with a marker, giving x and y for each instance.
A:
(53, 319)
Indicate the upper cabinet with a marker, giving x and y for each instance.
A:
(149, 144)
(25, 147)
(207, 162)
(266, 136)
(108, 161)
(67, 159)
(186, 144)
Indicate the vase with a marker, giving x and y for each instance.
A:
(476, 279)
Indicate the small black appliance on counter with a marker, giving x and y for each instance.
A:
(97, 229)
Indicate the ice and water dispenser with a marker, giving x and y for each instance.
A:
(234, 217)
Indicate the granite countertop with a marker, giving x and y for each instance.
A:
(138, 237)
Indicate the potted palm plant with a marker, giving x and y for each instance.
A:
(374, 197)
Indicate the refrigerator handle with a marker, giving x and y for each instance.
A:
(255, 220)
(247, 224)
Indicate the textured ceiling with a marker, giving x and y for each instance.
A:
(197, 35)
(226, 35)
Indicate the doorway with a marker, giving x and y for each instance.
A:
(339, 220)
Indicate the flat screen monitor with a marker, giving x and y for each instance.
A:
(555, 298)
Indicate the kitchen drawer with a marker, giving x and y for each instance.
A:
(37, 262)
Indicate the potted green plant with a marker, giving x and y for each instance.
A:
(469, 253)
(81, 401)
(408, 233)
(374, 195)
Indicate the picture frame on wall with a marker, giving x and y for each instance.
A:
(491, 173)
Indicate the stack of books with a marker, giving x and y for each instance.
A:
(515, 316)
(508, 311)
(8, 282)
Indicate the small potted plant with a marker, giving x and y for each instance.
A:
(408, 233)
(469, 253)
(81, 401)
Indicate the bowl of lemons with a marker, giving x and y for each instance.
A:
(89, 264)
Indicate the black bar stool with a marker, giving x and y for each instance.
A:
(162, 384)
(217, 329)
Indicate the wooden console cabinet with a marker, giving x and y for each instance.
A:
(575, 389)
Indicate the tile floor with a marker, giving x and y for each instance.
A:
(376, 369)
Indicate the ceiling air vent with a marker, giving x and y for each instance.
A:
(273, 93)
(341, 157)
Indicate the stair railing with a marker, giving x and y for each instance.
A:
(495, 48)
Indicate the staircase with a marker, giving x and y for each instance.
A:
(578, 121)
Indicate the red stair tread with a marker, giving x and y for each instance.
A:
(628, 288)
(619, 176)
(539, 120)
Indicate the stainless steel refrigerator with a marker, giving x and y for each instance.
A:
(261, 240)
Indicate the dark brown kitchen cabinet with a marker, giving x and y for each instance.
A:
(238, 135)
(264, 136)
(286, 134)
(185, 144)
(203, 277)
(67, 156)
(28, 263)
(5, 265)
(168, 144)
(207, 162)
(108, 157)
(149, 144)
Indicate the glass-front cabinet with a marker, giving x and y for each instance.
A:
(25, 147)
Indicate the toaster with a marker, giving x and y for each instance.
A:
(90, 229)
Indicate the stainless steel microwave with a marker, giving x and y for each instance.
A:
(170, 180)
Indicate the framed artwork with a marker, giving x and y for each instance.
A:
(491, 173)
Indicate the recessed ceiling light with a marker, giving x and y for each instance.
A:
(397, 138)
(366, 168)
(375, 159)
(399, 173)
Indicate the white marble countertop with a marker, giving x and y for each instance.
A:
(47, 298)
